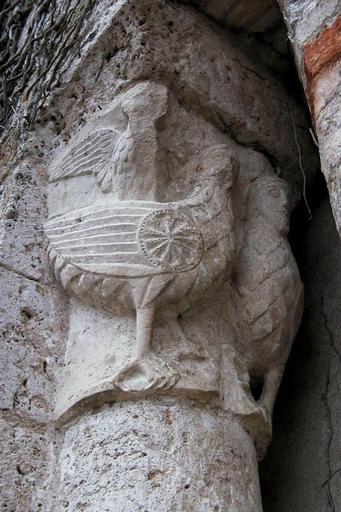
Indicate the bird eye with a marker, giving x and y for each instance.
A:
(274, 192)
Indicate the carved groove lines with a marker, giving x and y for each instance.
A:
(169, 240)
(97, 237)
(125, 236)
(88, 156)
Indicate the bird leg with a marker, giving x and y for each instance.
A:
(144, 330)
(272, 381)
(146, 372)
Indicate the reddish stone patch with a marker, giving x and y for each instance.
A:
(319, 55)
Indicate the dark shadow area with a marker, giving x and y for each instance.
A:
(300, 471)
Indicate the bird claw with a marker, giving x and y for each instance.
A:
(266, 415)
(150, 373)
(264, 410)
(262, 429)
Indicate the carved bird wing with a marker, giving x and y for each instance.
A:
(262, 309)
(267, 295)
(102, 240)
(122, 165)
(92, 155)
(123, 152)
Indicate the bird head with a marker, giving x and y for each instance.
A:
(146, 101)
(269, 199)
(219, 163)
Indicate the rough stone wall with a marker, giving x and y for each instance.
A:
(31, 315)
(302, 470)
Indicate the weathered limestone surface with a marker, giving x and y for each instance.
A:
(327, 104)
(31, 316)
(306, 20)
(26, 462)
(165, 454)
(302, 468)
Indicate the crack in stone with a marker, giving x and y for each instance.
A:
(21, 420)
(328, 409)
(335, 95)
(17, 272)
(330, 439)
(329, 330)
(332, 476)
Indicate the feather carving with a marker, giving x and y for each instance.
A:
(92, 155)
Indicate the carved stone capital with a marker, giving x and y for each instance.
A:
(175, 257)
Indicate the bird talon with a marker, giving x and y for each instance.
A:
(265, 412)
(147, 374)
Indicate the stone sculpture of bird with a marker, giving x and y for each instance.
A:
(137, 252)
(269, 292)
(123, 164)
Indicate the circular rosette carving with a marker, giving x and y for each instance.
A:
(169, 240)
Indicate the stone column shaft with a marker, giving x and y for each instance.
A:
(158, 455)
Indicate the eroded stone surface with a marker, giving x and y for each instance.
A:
(165, 455)
(31, 324)
(29, 348)
(23, 203)
(328, 126)
(319, 13)
(26, 461)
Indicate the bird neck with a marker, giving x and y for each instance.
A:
(139, 179)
